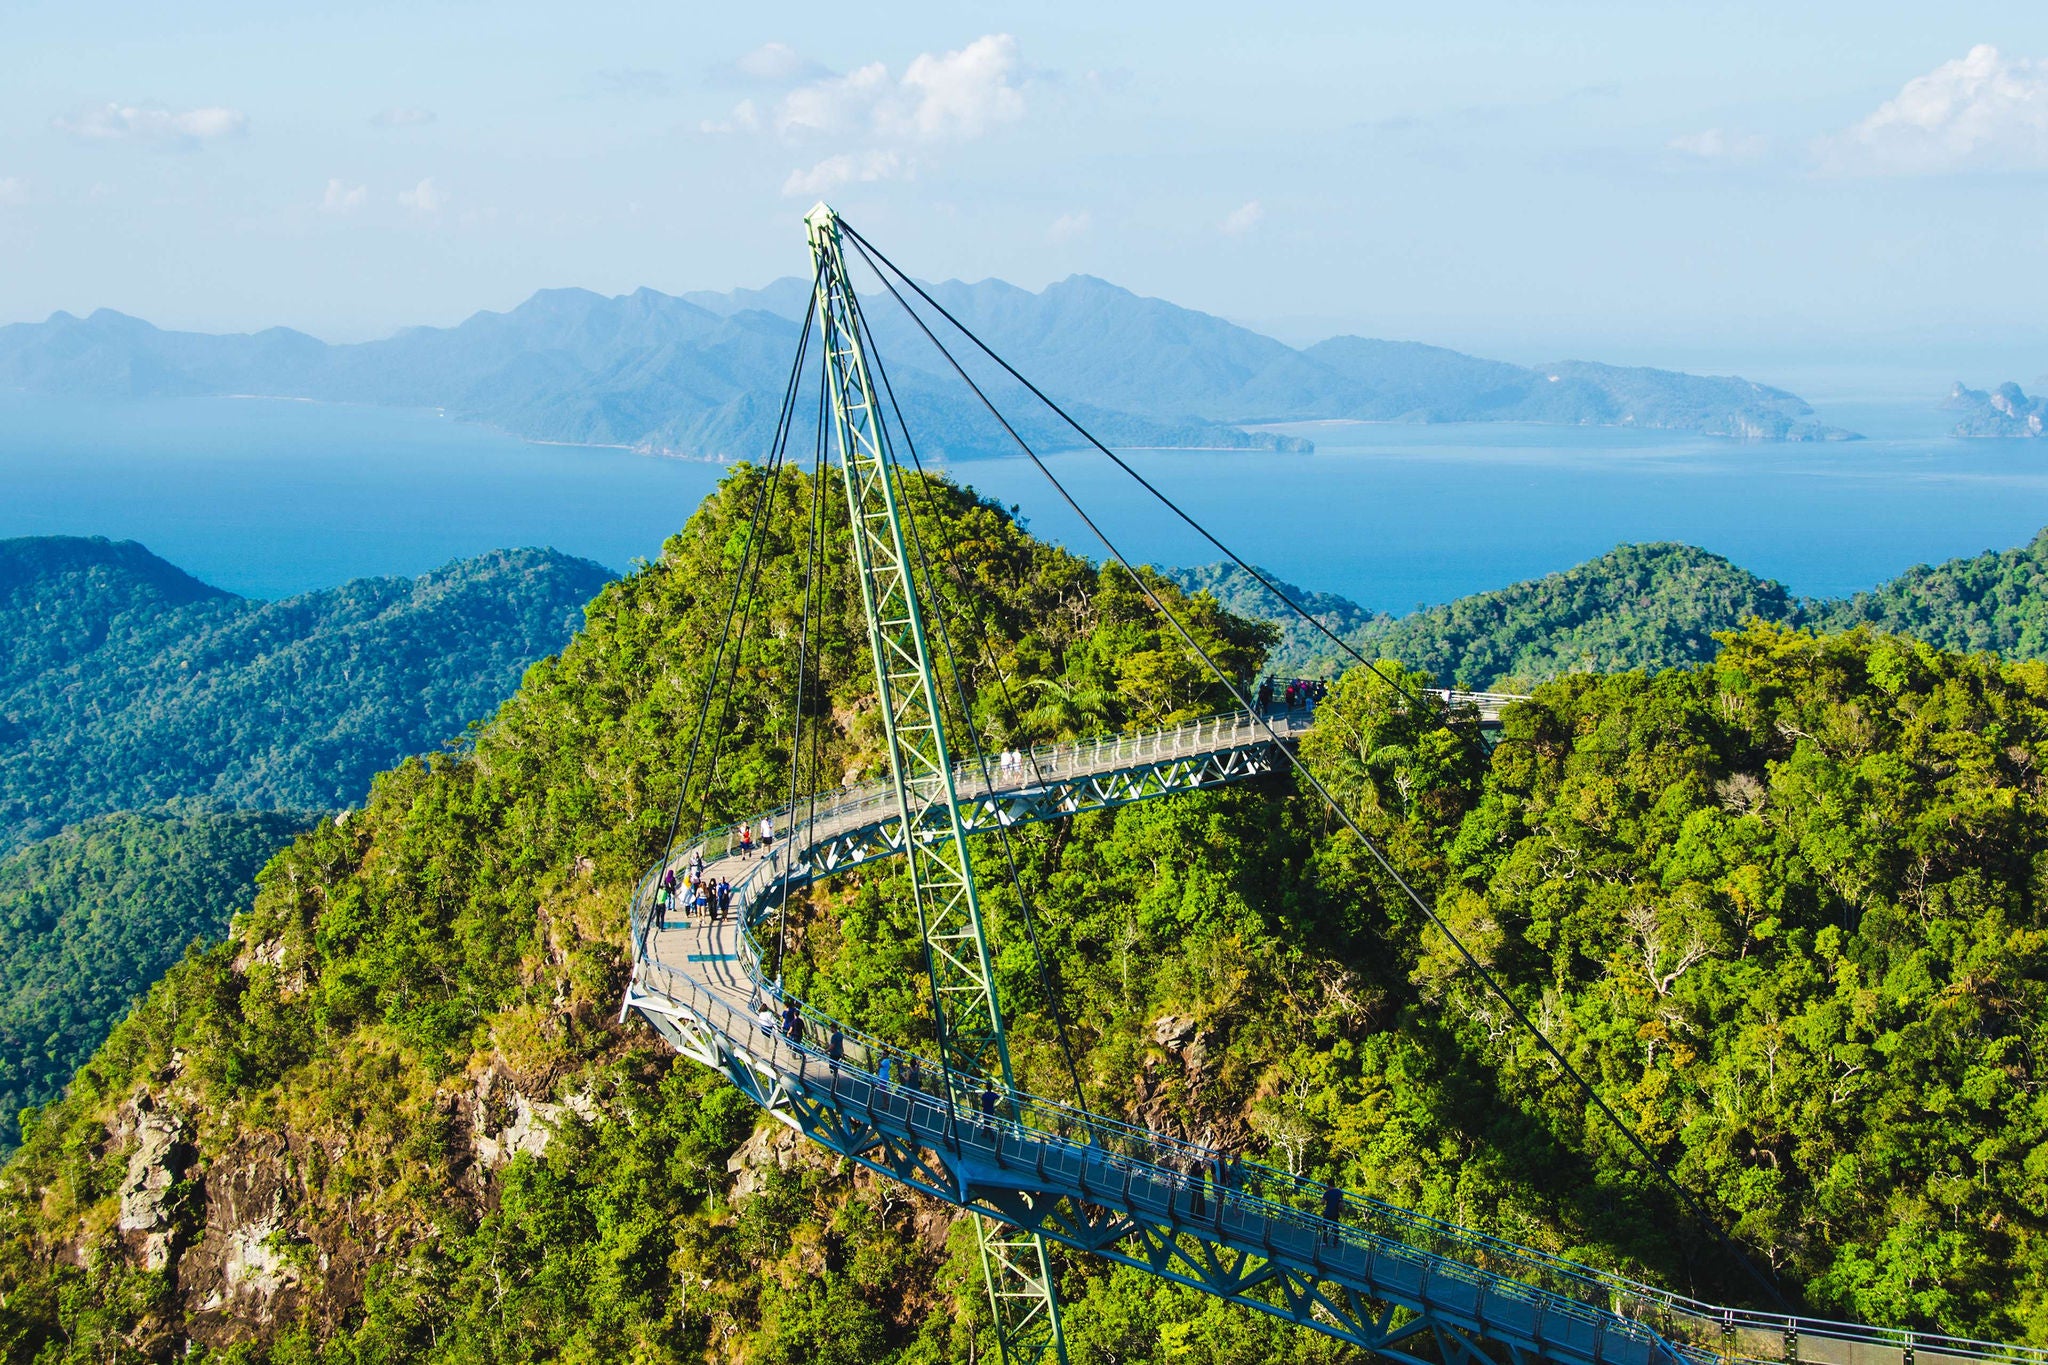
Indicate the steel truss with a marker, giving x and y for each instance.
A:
(1056, 798)
(1032, 1185)
(932, 835)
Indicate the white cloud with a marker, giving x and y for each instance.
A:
(1716, 145)
(342, 197)
(961, 95)
(845, 169)
(12, 190)
(941, 98)
(401, 118)
(1068, 226)
(947, 97)
(153, 123)
(776, 62)
(838, 105)
(1242, 219)
(425, 197)
(1982, 111)
(744, 118)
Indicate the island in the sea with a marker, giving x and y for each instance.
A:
(2003, 411)
(686, 375)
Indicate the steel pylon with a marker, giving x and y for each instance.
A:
(967, 1014)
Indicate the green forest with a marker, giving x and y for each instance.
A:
(126, 683)
(91, 917)
(1783, 906)
(1650, 606)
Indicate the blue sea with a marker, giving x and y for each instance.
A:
(269, 497)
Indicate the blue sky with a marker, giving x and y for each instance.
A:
(1784, 187)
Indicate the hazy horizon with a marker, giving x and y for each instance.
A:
(1838, 187)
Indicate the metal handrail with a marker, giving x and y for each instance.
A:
(1142, 1152)
(1700, 1329)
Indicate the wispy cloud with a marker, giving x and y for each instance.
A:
(1982, 111)
(401, 118)
(1713, 144)
(1068, 226)
(940, 99)
(1242, 219)
(154, 124)
(777, 63)
(744, 118)
(847, 168)
(425, 198)
(632, 82)
(342, 197)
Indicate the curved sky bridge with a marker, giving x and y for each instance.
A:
(1395, 1282)
(1031, 1171)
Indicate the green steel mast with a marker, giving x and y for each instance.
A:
(968, 1016)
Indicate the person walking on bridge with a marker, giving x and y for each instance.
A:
(1333, 1212)
(746, 841)
(1265, 694)
(988, 1106)
(724, 898)
(767, 833)
(835, 1052)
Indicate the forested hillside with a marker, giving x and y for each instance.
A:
(1783, 908)
(1996, 601)
(1651, 607)
(91, 917)
(1637, 606)
(125, 683)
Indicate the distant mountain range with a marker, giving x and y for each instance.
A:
(2003, 411)
(703, 375)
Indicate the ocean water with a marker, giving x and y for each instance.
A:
(268, 497)
(1395, 516)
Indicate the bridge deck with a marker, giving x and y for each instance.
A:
(1381, 1277)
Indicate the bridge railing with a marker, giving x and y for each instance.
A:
(1053, 1137)
(1701, 1329)
(1070, 758)
(1186, 1166)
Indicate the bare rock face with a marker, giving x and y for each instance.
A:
(508, 1121)
(1172, 1031)
(244, 1266)
(155, 1166)
(772, 1145)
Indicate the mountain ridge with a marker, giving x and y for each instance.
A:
(698, 374)
(1651, 606)
(126, 683)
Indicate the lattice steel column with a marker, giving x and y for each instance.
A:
(969, 1018)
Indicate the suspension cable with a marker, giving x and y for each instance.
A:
(739, 585)
(1039, 956)
(1411, 693)
(796, 738)
(1479, 969)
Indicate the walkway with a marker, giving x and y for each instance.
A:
(1379, 1276)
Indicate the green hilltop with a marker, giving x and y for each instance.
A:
(1782, 905)
(126, 683)
(1650, 606)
